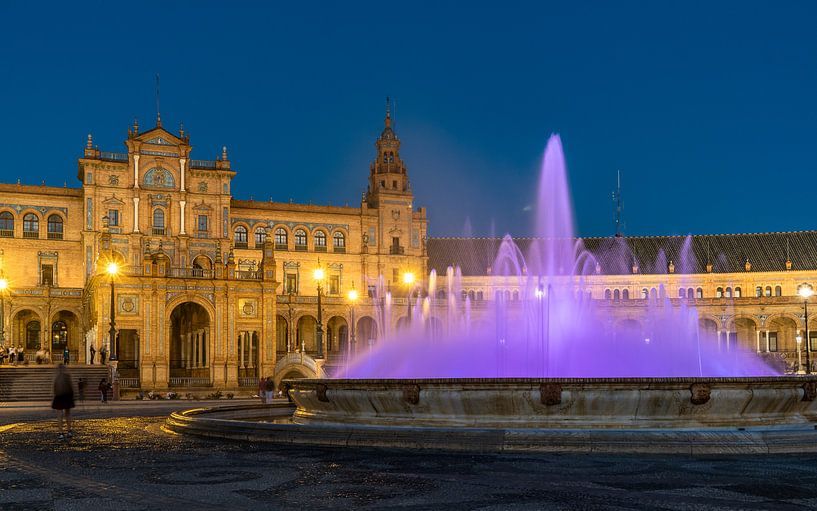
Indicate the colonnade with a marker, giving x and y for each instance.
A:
(247, 349)
(194, 351)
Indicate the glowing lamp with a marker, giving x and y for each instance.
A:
(4, 284)
(112, 269)
(352, 295)
(805, 291)
(318, 274)
(408, 278)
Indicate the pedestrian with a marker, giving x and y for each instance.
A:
(66, 356)
(269, 387)
(2, 354)
(12, 355)
(81, 388)
(103, 389)
(261, 389)
(103, 354)
(21, 354)
(40, 356)
(63, 399)
(93, 354)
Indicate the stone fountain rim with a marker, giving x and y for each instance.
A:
(575, 381)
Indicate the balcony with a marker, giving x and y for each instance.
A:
(189, 382)
(6, 233)
(158, 231)
(397, 250)
(113, 156)
(281, 246)
(248, 274)
(55, 235)
(202, 234)
(240, 244)
(191, 273)
(31, 235)
(341, 250)
(320, 248)
(203, 164)
(300, 248)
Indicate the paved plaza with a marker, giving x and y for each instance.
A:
(131, 463)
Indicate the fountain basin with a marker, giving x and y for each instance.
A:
(557, 403)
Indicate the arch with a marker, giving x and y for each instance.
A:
(26, 328)
(471, 295)
(441, 294)
(293, 366)
(783, 331)
(708, 328)
(306, 331)
(738, 293)
(607, 294)
(507, 296)
(625, 294)
(699, 292)
(159, 177)
(616, 295)
(767, 291)
(301, 239)
(158, 218)
(260, 236)
(6, 224)
(480, 296)
(403, 324)
(190, 339)
(338, 241)
(366, 332)
(653, 293)
(727, 292)
(758, 291)
(240, 236)
(645, 293)
(682, 293)
(719, 292)
(516, 295)
(31, 225)
(690, 293)
(319, 239)
(778, 291)
(202, 262)
(745, 329)
(337, 335)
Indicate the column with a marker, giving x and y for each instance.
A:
(758, 341)
(767, 341)
(181, 218)
(201, 349)
(252, 348)
(719, 340)
(727, 340)
(241, 350)
(181, 172)
(182, 349)
(191, 351)
(136, 214)
(136, 171)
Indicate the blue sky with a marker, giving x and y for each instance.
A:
(708, 109)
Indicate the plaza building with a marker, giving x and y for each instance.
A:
(186, 286)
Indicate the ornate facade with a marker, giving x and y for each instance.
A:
(215, 291)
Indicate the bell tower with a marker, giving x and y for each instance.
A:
(387, 173)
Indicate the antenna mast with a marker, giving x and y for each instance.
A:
(617, 201)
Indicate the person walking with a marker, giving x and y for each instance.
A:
(21, 355)
(93, 354)
(81, 388)
(103, 390)
(63, 399)
(66, 356)
(12, 355)
(269, 387)
(103, 354)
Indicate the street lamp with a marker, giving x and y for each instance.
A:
(112, 270)
(4, 285)
(799, 339)
(408, 280)
(805, 291)
(319, 275)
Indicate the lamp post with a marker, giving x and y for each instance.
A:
(113, 270)
(352, 296)
(408, 280)
(805, 291)
(799, 339)
(319, 275)
(4, 284)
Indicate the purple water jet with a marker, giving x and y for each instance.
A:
(553, 329)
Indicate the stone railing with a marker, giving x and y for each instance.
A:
(190, 382)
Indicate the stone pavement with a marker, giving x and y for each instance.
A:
(131, 463)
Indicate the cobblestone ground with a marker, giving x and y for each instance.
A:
(131, 463)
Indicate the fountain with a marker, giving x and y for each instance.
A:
(553, 360)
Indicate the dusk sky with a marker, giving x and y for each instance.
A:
(709, 109)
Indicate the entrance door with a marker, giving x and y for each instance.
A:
(128, 351)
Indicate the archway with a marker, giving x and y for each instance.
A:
(337, 335)
(746, 334)
(708, 329)
(366, 332)
(306, 334)
(65, 333)
(202, 266)
(26, 330)
(189, 342)
(403, 324)
(282, 335)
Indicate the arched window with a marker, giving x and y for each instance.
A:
(300, 239)
(463, 294)
(240, 236)
(6, 224)
(699, 293)
(260, 237)
(320, 241)
(507, 296)
(625, 295)
(728, 293)
(778, 291)
(681, 292)
(516, 295)
(645, 293)
(55, 227)
(719, 293)
(280, 239)
(391, 157)
(471, 295)
(31, 226)
(653, 293)
(385, 157)
(738, 292)
(59, 336)
(158, 222)
(480, 296)
(33, 335)
(607, 294)
(441, 294)
(690, 293)
(758, 291)
(768, 291)
(616, 295)
(339, 242)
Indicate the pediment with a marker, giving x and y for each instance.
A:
(159, 136)
(113, 201)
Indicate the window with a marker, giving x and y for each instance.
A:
(158, 222)
(653, 293)
(202, 223)
(625, 295)
(645, 293)
(480, 296)
(772, 341)
(6, 225)
(291, 283)
(260, 237)
(812, 336)
(690, 293)
(320, 241)
(778, 291)
(738, 292)
(371, 291)
(728, 293)
(55, 227)
(280, 239)
(300, 239)
(395, 275)
(699, 293)
(113, 217)
(758, 291)
(240, 237)
(46, 275)
(607, 294)
(31, 226)
(768, 291)
(681, 293)
(334, 284)
(33, 335)
(441, 294)
(719, 293)
(339, 242)
(516, 296)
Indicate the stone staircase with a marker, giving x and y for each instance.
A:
(36, 382)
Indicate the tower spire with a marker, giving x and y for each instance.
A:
(158, 112)
(388, 112)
